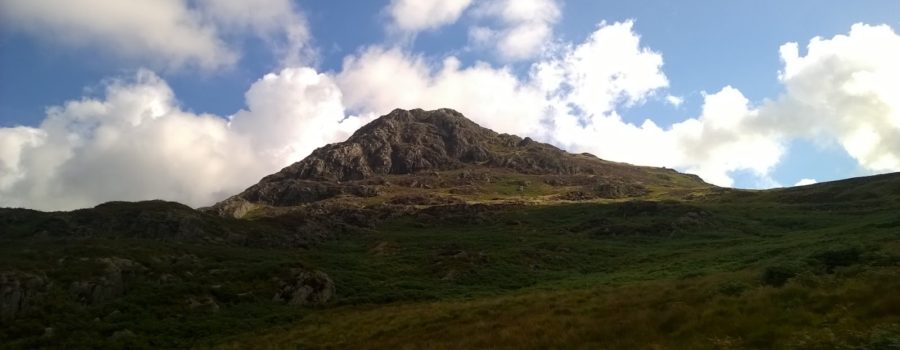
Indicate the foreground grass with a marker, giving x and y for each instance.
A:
(749, 275)
(851, 309)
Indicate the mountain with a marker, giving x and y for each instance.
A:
(444, 152)
(425, 230)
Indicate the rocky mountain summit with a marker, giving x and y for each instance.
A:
(407, 142)
(443, 150)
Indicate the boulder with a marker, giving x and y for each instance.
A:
(19, 293)
(109, 285)
(305, 287)
(204, 303)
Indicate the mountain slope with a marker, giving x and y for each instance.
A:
(448, 154)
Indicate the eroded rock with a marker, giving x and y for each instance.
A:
(204, 303)
(305, 287)
(110, 284)
(19, 293)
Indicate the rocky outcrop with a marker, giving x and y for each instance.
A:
(294, 192)
(415, 141)
(110, 284)
(147, 219)
(605, 191)
(205, 303)
(305, 287)
(401, 142)
(19, 293)
(233, 207)
(156, 220)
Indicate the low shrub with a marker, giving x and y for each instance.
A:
(833, 258)
(733, 288)
(778, 275)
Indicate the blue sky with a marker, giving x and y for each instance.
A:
(290, 76)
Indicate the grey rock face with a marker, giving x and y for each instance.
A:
(19, 292)
(402, 142)
(305, 287)
(405, 142)
(111, 284)
(203, 303)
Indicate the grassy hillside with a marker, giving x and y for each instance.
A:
(740, 274)
(816, 267)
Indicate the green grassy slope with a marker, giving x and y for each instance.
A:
(814, 267)
(746, 274)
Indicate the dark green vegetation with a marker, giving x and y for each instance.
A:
(736, 270)
(472, 256)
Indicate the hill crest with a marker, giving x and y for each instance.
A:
(446, 154)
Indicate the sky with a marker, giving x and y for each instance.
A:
(195, 100)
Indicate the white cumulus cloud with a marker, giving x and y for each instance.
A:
(12, 141)
(606, 70)
(290, 113)
(137, 143)
(283, 27)
(675, 101)
(520, 28)
(381, 79)
(166, 34)
(412, 16)
(718, 142)
(845, 89)
(805, 182)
